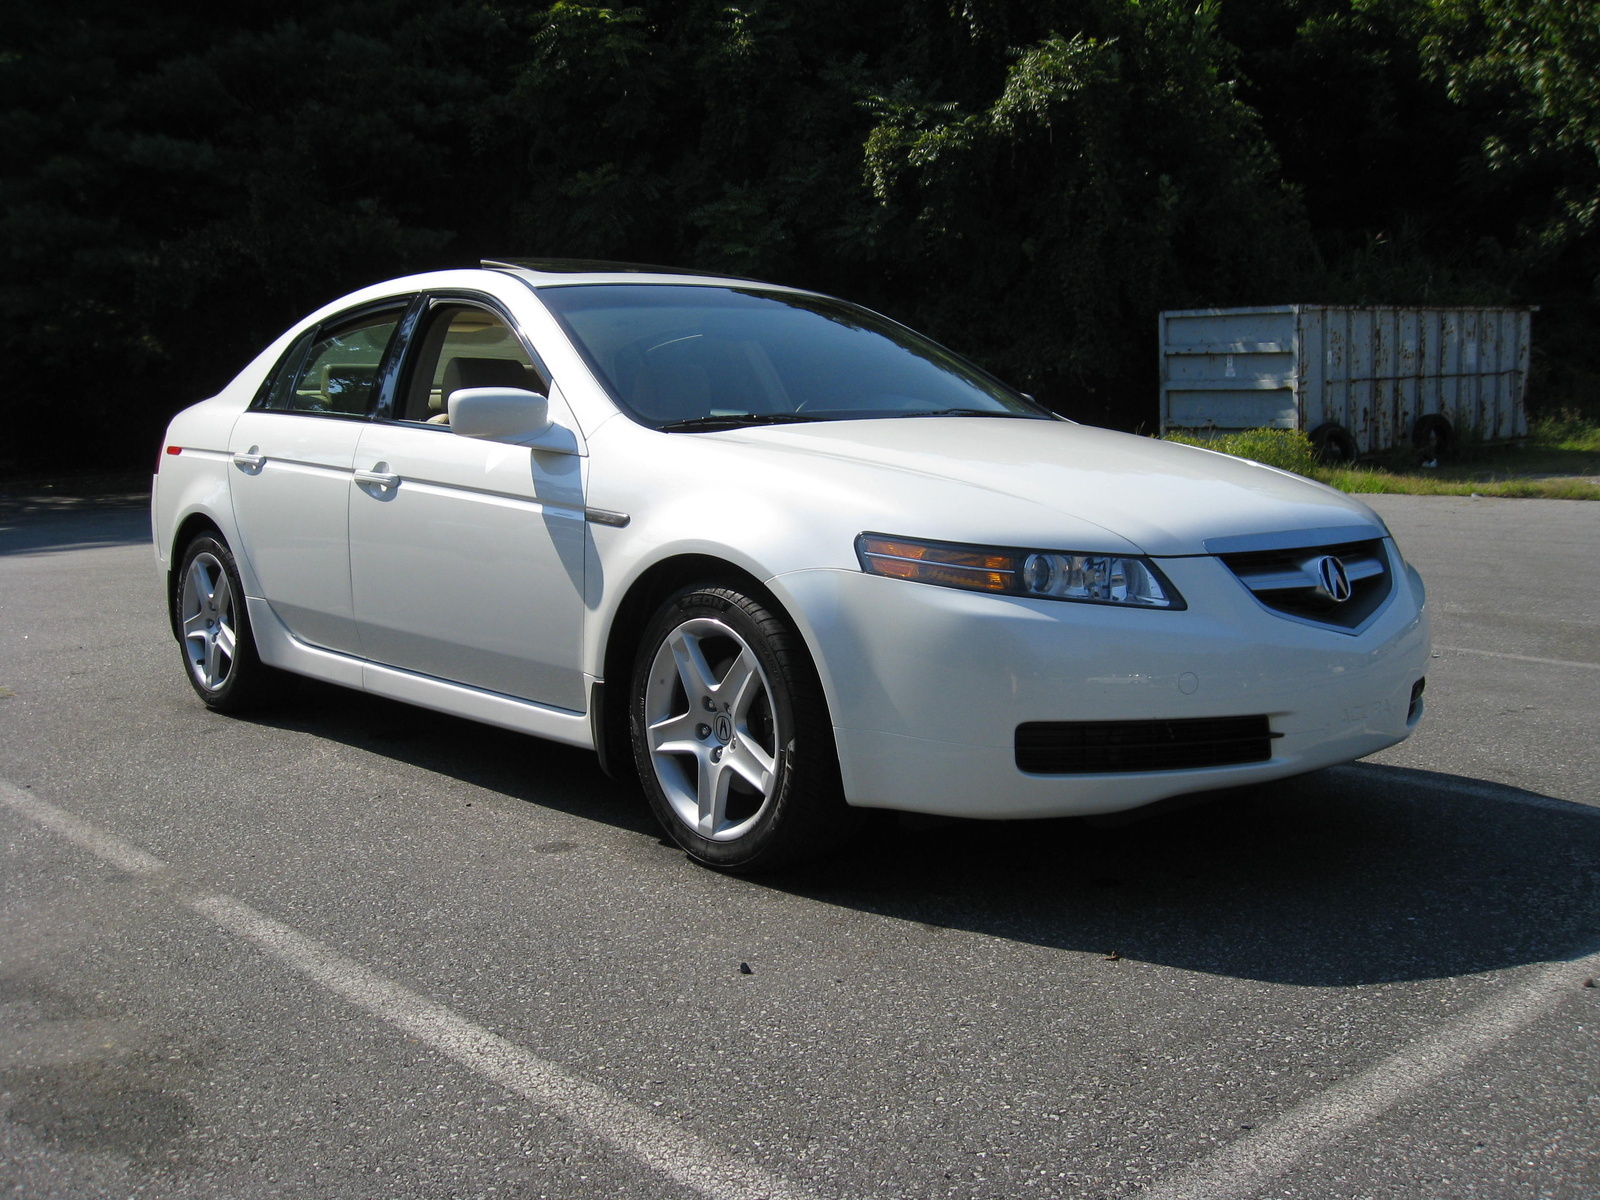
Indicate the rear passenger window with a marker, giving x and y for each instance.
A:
(341, 368)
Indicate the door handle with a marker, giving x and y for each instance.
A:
(249, 460)
(378, 478)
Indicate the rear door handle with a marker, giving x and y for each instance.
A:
(377, 478)
(249, 460)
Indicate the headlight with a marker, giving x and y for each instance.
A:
(1045, 574)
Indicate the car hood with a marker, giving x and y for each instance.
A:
(1022, 478)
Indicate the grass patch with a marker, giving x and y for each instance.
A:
(1288, 449)
(1559, 461)
(1566, 430)
(1437, 483)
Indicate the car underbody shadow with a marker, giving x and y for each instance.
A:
(1354, 875)
(515, 765)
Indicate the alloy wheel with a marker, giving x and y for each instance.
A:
(210, 634)
(712, 729)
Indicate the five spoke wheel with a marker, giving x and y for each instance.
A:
(712, 731)
(731, 735)
(213, 627)
(206, 610)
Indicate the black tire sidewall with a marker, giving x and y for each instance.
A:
(1432, 435)
(806, 765)
(1334, 445)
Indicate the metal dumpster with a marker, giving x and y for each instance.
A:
(1355, 379)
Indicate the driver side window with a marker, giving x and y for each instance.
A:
(465, 346)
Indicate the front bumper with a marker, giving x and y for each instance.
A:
(927, 685)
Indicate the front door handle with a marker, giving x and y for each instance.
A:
(249, 460)
(378, 477)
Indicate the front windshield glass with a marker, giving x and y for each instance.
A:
(680, 356)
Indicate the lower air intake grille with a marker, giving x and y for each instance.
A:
(1096, 747)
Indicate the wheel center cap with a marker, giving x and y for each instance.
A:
(723, 728)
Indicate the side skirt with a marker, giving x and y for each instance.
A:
(280, 648)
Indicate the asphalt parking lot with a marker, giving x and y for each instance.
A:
(352, 949)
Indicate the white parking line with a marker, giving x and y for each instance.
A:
(1244, 1167)
(1549, 662)
(655, 1142)
(1234, 1172)
(115, 851)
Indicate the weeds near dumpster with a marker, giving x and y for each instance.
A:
(1559, 461)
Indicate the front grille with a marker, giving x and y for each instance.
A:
(1110, 747)
(1287, 582)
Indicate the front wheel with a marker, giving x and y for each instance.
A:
(213, 627)
(731, 734)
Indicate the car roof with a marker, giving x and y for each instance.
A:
(558, 272)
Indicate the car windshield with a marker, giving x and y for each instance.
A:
(687, 357)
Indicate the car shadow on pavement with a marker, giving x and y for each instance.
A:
(1355, 875)
(514, 765)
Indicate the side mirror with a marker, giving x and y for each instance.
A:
(499, 414)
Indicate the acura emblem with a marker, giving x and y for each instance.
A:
(1332, 581)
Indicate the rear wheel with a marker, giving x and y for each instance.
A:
(731, 735)
(213, 625)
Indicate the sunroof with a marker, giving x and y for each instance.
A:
(589, 266)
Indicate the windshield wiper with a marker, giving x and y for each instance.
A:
(735, 421)
(966, 412)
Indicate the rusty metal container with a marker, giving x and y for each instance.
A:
(1356, 379)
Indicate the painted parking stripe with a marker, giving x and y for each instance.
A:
(113, 850)
(1235, 1172)
(657, 1143)
(1244, 1167)
(1549, 662)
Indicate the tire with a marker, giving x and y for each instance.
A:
(1334, 445)
(1432, 436)
(731, 735)
(213, 629)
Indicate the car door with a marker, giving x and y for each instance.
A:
(293, 451)
(467, 556)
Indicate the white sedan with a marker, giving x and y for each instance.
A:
(775, 555)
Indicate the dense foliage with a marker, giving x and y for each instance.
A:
(1028, 180)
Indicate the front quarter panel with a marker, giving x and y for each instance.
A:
(771, 512)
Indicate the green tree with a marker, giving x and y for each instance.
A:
(1106, 174)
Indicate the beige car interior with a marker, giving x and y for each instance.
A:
(466, 347)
